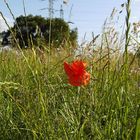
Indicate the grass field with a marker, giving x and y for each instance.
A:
(38, 103)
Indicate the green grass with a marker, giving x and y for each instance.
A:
(36, 102)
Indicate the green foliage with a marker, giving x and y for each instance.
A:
(35, 29)
(59, 31)
(74, 36)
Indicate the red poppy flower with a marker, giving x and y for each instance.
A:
(76, 72)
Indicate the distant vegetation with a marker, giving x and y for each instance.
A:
(38, 31)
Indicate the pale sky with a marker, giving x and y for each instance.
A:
(87, 15)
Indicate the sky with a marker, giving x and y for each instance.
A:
(87, 15)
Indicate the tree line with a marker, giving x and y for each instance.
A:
(37, 31)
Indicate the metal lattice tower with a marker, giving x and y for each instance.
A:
(51, 9)
(51, 12)
(61, 12)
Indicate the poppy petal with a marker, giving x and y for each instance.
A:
(86, 78)
(76, 73)
(75, 81)
(67, 69)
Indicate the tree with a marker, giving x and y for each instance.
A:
(35, 29)
(26, 29)
(59, 31)
(74, 36)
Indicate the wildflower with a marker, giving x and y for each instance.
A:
(76, 72)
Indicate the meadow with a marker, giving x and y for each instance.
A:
(38, 103)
